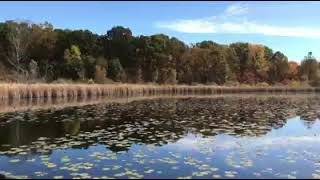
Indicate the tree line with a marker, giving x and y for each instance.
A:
(40, 51)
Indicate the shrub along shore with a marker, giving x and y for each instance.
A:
(47, 91)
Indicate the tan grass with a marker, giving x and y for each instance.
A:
(27, 91)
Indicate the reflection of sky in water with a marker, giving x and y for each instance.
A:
(296, 127)
(293, 133)
(289, 151)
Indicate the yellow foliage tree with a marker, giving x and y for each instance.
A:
(258, 61)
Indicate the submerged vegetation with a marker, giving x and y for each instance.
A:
(39, 52)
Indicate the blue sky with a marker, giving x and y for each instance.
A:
(290, 27)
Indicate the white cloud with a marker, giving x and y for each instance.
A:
(206, 25)
(236, 9)
(225, 23)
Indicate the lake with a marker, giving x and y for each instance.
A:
(234, 136)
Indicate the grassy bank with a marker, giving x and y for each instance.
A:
(26, 91)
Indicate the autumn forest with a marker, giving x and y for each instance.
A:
(41, 53)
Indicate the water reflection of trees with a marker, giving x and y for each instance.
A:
(155, 122)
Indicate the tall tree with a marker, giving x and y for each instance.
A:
(118, 44)
(242, 51)
(309, 67)
(43, 43)
(279, 67)
(116, 71)
(74, 64)
(257, 58)
(19, 39)
(294, 69)
(101, 67)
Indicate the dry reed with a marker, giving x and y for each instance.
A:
(48, 91)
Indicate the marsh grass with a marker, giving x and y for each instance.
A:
(48, 91)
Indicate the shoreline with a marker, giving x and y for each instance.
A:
(60, 103)
(49, 91)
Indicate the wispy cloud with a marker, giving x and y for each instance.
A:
(245, 27)
(219, 24)
(236, 9)
(204, 25)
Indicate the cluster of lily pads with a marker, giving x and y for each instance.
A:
(134, 137)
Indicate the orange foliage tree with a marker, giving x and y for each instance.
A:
(293, 73)
(259, 64)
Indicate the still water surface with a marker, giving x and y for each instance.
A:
(217, 137)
